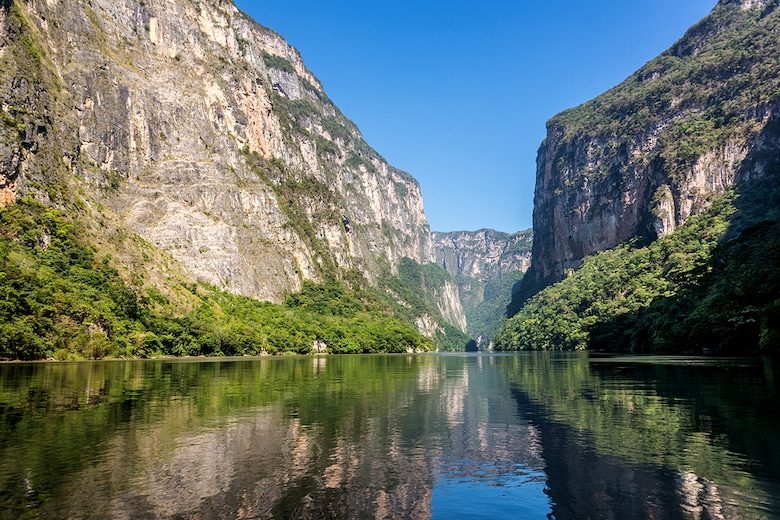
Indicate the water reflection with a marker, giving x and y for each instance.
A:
(439, 436)
(490, 464)
(352, 436)
(654, 437)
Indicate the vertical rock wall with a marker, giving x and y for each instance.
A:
(640, 159)
(206, 135)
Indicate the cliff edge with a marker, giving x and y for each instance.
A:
(642, 158)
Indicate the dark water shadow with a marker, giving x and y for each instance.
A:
(582, 483)
(710, 454)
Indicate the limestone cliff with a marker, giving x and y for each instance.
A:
(487, 264)
(483, 254)
(640, 159)
(202, 132)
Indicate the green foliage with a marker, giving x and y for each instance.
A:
(54, 295)
(486, 317)
(354, 321)
(321, 314)
(304, 200)
(11, 121)
(355, 161)
(713, 87)
(449, 338)
(687, 139)
(732, 307)
(294, 114)
(320, 95)
(708, 86)
(711, 286)
(727, 305)
(27, 36)
(58, 300)
(273, 61)
(337, 130)
(616, 282)
(413, 286)
(412, 293)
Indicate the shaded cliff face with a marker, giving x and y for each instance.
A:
(203, 133)
(643, 157)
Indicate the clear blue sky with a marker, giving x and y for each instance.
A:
(457, 93)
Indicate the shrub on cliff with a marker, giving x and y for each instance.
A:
(614, 283)
(59, 300)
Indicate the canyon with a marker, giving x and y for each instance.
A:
(194, 144)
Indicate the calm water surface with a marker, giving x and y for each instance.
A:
(531, 435)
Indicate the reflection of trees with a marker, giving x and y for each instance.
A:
(298, 437)
(255, 439)
(626, 438)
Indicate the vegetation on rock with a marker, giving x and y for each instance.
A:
(410, 293)
(59, 299)
(658, 153)
(723, 66)
(260, 189)
(486, 312)
(691, 122)
(712, 286)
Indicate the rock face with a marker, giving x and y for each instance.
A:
(203, 133)
(483, 254)
(447, 300)
(640, 159)
(486, 264)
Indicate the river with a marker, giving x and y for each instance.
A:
(529, 435)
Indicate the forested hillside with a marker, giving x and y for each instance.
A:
(59, 299)
(656, 206)
(711, 286)
(150, 210)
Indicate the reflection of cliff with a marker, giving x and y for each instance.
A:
(208, 455)
(477, 426)
(638, 439)
(584, 483)
(291, 438)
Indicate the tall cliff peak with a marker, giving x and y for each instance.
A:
(640, 159)
(185, 127)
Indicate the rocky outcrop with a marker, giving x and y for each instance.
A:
(447, 300)
(203, 133)
(643, 157)
(483, 254)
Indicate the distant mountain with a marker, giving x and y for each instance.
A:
(487, 265)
